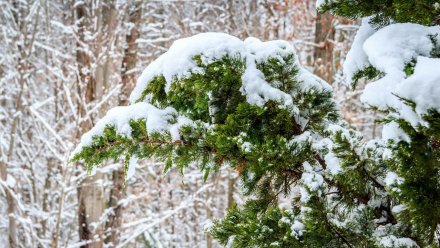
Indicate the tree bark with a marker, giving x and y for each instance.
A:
(323, 53)
(90, 192)
(129, 60)
(130, 53)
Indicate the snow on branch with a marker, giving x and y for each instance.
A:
(401, 59)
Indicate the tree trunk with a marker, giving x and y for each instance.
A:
(90, 192)
(231, 182)
(130, 53)
(90, 209)
(323, 53)
(129, 60)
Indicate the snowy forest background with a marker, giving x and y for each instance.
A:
(64, 63)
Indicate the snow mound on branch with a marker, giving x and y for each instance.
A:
(357, 58)
(392, 131)
(157, 120)
(393, 241)
(178, 62)
(389, 50)
(297, 229)
(423, 86)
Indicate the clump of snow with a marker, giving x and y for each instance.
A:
(247, 147)
(178, 62)
(261, 51)
(389, 50)
(311, 181)
(132, 164)
(392, 131)
(375, 202)
(398, 208)
(333, 164)
(274, 244)
(392, 179)
(393, 241)
(387, 153)
(423, 86)
(297, 229)
(174, 129)
(356, 58)
(304, 195)
(285, 220)
(311, 81)
(230, 242)
(157, 120)
(304, 137)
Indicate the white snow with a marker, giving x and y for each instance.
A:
(260, 51)
(297, 228)
(356, 58)
(207, 225)
(333, 164)
(423, 86)
(310, 81)
(311, 180)
(247, 147)
(157, 120)
(393, 241)
(305, 196)
(398, 208)
(174, 129)
(132, 164)
(392, 179)
(305, 137)
(285, 220)
(178, 62)
(388, 50)
(392, 131)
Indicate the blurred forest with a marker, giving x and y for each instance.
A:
(63, 63)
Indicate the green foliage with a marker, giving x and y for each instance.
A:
(357, 181)
(409, 67)
(369, 73)
(384, 12)
(417, 163)
(274, 148)
(213, 97)
(248, 227)
(435, 53)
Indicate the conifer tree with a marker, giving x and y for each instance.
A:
(215, 100)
